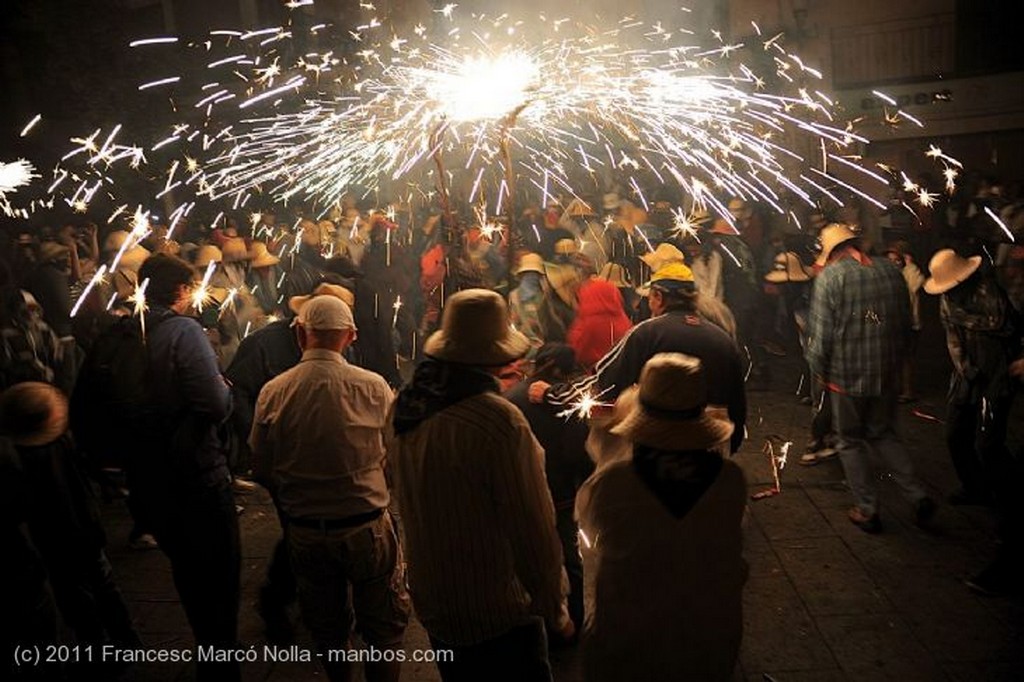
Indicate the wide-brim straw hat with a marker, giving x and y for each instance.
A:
(948, 269)
(115, 240)
(207, 254)
(663, 255)
(614, 273)
(133, 258)
(234, 250)
(475, 330)
(339, 292)
(33, 413)
(833, 235)
(530, 262)
(578, 208)
(788, 268)
(669, 411)
(563, 279)
(566, 247)
(261, 256)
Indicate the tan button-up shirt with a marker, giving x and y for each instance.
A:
(318, 438)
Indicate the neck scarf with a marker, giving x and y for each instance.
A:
(437, 385)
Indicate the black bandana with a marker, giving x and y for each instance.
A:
(677, 477)
(435, 386)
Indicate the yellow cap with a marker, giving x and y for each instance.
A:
(674, 276)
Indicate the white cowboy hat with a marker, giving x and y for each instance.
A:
(475, 330)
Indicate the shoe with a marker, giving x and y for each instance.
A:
(964, 498)
(924, 511)
(143, 541)
(242, 486)
(825, 453)
(995, 580)
(869, 524)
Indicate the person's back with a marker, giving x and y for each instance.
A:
(485, 565)
(867, 322)
(668, 589)
(661, 535)
(458, 477)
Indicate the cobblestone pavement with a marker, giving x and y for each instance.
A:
(824, 602)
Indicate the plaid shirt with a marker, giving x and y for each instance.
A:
(858, 326)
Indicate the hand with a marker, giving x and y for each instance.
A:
(537, 390)
(1017, 368)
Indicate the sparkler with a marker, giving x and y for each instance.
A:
(201, 294)
(139, 308)
(584, 405)
(778, 462)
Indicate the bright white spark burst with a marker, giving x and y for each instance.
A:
(564, 106)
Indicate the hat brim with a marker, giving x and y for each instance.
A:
(936, 287)
(530, 268)
(823, 257)
(441, 346)
(703, 433)
(265, 262)
(786, 276)
(54, 427)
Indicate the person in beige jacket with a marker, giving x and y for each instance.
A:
(660, 533)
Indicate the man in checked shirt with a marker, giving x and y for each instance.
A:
(857, 331)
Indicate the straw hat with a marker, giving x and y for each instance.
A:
(115, 240)
(832, 235)
(614, 273)
(326, 313)
(530, 262)
(234, 250)
(578, 208)
(949, 269)
(261, 256)
(133, 258)
(788, 268)
(33, 413)
(611, 201)
(563, 279)
(339, 292)
(207, 254)
(663, 255)
(566, 247)
(669, 408)
(170, 247)
(475, 330)
(52, 251)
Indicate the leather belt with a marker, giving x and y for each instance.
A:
(336, 524)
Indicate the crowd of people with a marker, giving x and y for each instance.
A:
(525, 434)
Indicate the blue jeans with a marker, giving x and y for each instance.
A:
(864, 424)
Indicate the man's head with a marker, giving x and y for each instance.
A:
(170, 281)
(325, 322)
(672, 288)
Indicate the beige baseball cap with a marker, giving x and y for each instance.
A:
(325, 313)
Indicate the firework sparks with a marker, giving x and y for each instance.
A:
(139, 304)
(201, 294)
(778, 460)
(584, 405)
(93, 281)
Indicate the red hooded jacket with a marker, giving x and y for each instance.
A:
(600, 321)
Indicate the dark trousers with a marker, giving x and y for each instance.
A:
(198, 531)
(520, 655)
(983, 462)
(89, 599)
(568, 533)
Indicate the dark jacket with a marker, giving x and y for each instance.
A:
(566, 462)
(680, 332)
